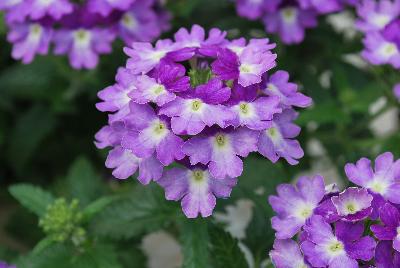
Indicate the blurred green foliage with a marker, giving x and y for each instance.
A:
(48, 120)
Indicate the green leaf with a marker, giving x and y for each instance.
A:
(195, 241)
(225, 250)
(58, 255)
(99, 256)
(145, 210)
(32, 197)
(42, 245)
(97, 206)
(31, 129)
(83, 182)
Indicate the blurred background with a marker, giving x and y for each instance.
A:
(48, 120)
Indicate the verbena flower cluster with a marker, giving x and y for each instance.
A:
(380, 22)
(81, 31)
(203, 102)
(289, 18)
(359, 227)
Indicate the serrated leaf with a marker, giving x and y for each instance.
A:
(83, 182)
(195, 242)
(58, 256)
(32, 197)
(225, 250)
(145, 210)
(97, 206)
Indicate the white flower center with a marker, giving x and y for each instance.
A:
(274, 134)
(378, 186)
(289, 15)
(303, 211)
(45, 2)
(82, 38)
(129, 21)
(35, 32)
(388, 49)
(335, 248)
(157, 55)
(196, 105)
(380, 20)
(158, 89)
(246, 68)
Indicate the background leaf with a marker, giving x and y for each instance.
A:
(32, 197)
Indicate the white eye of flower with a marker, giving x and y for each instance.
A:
(196, 105)
(158, 89)
(388, 50)
(45, 2)
(378, 186)
(129, 21)
(36, 30)
(289, 15)
(380, 20)
(246, 68)
(82, 38)
(335, 248)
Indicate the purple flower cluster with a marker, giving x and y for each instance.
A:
(359, 227)
(201, 101)
(81, 31)
(289, 18)
(380, 22)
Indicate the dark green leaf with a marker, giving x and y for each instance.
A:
(83, 182)
(97, 206)
(32, 197)
(30, 130)
(195, 242)
(146, 209)
(225, 250)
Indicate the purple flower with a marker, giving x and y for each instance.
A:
(277, 141)
(116, 97)
(375, 15)
(342, 248)
(29, 39)
(152, 134)
(105, 7)
(385, 256)
(144, 57)
(110, 135)
(322, 6)
(191, 115)
(383, 181)
(253, 9)
(16, 10)
(125, 163)
(248, 68)
(196, 37)
(396, 91)
(55, 8)
(392, 32)
(353, 204)
(278, 85)
(197, 188)
(170, 104)
(287, 254)
(168, 78)
(83, 46)
(139, 23)
(390, 217)
(221, 151)
(260, 45)
(380, 51)
(290, 22)
(294, 205)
